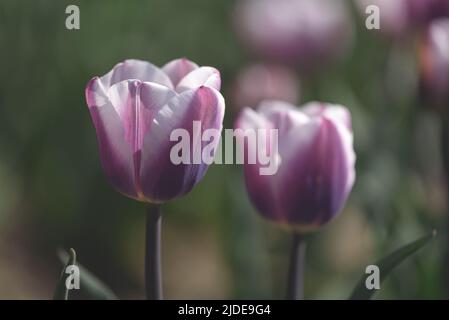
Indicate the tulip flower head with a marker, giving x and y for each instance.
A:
(315, 163)
(134, 109)
(434, 60)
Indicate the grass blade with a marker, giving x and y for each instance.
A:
(91, 287)
(61, 291)
(387, 264)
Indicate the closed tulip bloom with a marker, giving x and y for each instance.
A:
(265, 82)
(135, 107)
(305, 33)
(315, 161)
(434, 60)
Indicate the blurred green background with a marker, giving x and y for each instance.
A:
(53, 193)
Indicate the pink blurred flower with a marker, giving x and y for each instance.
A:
(422, 12)
(394, 15)
(306, 33)
(316, 159)
(434, 61)
(265, 82)
(400, 17)
(134, 109)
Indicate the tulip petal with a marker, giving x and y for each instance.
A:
(324, 174)
(336, 112)
(250, 119)
(115, 153)
(283, 115)
(268, 192)
(161, 179)
(250, 125)
(435, 61)
(178, 69)
(136, 103)
(256, 183)
(315, 167)
(204, 76)
(136, 69)
(96, 93)
(339, 114)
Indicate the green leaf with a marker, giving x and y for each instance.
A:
(92, 287)
(61, 291)
(387, 264)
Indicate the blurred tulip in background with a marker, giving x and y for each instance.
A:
(265, 82)
(402, 17)
(305, 33)
(424, 11)
(434, 61)
(316, 163)
(394, 17)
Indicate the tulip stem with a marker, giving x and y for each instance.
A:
(295, 284)
(445, 156)
(153, 275)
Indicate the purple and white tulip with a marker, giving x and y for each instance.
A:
(315, 161)
(135, 107)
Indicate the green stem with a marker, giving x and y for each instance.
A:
(153, 275)
(295, 284)
(445, 156)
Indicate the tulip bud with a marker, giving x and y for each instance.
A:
(306, 33)
(135, 107)
(434, 62)
(265, 82)
(316, 161)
